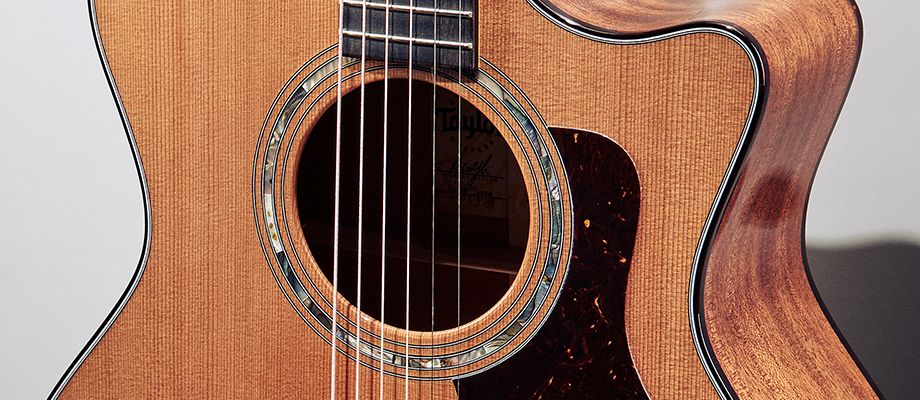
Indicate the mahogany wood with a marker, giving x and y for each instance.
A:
(208, 319)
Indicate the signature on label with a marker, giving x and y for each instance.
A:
(483, 164)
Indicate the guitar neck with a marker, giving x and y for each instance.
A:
(440, 33)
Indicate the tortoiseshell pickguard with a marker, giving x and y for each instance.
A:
(581, 351)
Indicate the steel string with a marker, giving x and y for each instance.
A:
(338, 176)
(360, 200)
(383, 229)
(409, 192)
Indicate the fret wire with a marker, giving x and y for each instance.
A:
(414, 9)
(402, 39)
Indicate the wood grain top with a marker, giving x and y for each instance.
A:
(208, 319)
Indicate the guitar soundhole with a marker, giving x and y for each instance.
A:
(494, 209)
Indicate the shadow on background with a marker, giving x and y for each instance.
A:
(873, 294)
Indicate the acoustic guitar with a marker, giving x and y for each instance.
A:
(474, 199)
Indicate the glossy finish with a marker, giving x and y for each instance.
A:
(207, 320)
(765, 326)
(440, 26)
(581, 352)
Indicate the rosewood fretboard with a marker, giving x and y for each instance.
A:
(446, 28)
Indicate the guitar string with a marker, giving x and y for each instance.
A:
(383, 227)
(409, 175)
(434, 141)
(338, 176)
(409, 192)
(459, 139)
(360, 249)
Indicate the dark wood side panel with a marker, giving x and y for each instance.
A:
(766, 327)
(581, 352)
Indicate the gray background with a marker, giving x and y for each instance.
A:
(863, 229)
(71, 220)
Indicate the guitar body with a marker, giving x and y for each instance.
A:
(683, 138)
